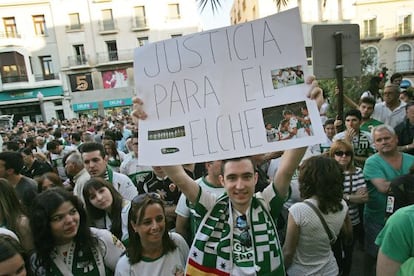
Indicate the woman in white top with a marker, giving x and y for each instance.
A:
(106, 208)
(151, 249)
(307, 248)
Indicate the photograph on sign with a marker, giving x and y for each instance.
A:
(210, 95)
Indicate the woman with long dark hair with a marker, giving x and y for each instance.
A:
(106, 208)
(64, 243)
(152, 250)
(321, 187)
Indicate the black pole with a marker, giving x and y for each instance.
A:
(339, 69)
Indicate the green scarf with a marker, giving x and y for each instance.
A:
(211, 251)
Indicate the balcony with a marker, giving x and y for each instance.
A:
(13, 79)
(78, 61)
(120, 56)
(404, 33)
(46, 77)
(107, 27)
(74, 28)
(371, 37)
(404, 66)
(139, 24)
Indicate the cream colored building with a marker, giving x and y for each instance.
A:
(386, 27)
(83, 49)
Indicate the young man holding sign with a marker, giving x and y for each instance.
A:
(238, 234)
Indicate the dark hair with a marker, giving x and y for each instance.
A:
(92, 146)
(322, 177)
(112, 145)
(138, 206)
(354, 113)
(13, 160)
(9, 248)
(26, 151)
(52, 145)
(367, 100)
(236, 159)
(53, 177)
(10, 207)
(12, 145)
(329, 122)
(396, 76)
(76, 136)
(94, 213)
(43, 207)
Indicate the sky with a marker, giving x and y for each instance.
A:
(221, 18)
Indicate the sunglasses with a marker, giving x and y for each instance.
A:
(341, 153)
(241, 223)
(140, 198)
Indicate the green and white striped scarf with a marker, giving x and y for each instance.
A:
(211, 251)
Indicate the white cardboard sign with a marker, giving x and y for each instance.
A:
(209, 95)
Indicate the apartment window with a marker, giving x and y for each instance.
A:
(404, 24)
(107, 20)
(112, 50)
(173, 11)
(74, 21)
(47, 67)
(10, 27)
(39, 24)
(80, 54)
(140, 19)
(142, 40)
(13, 67)
(370, 27)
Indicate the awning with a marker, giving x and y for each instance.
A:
(23, 94)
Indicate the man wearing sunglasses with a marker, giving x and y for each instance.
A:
(238, 234)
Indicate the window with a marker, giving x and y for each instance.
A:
(39, 24)
(142, 40)
(74, 21)
(80, 54)
(10, 27)
(107, 20)
(47, 67)
(13, 67)
(404, 24)
(173, 11)
(112, 50)
(140, 19)
(403, 60)
(370, 27)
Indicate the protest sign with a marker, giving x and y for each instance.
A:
(225, 93)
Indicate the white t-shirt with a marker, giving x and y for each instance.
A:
(106, 223)
(169, 264)
(313, 254)
(383, 114)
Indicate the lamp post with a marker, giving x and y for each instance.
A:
(40, 97)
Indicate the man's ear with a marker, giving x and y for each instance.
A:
(221, 179)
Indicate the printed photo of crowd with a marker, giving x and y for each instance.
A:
(287, 122)
(284, 77)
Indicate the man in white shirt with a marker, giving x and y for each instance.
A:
(391, 111)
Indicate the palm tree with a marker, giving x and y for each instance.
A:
(216, 4)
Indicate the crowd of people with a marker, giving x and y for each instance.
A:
(74, 200)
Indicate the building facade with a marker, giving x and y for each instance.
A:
(79, 54)
(386, 26)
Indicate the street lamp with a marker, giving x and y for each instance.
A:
(40, 97)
